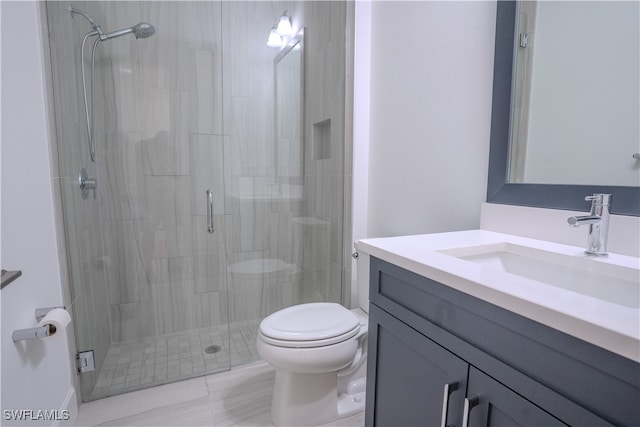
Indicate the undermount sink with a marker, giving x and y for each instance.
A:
(580, 273)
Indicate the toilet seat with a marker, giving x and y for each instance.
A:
(309, 325)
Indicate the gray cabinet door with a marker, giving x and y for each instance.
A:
(410, 377)
(495, 405)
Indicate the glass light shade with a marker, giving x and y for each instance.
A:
(274, 39)
(284, 26)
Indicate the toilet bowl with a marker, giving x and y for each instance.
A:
(319, 352)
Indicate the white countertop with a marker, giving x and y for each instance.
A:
(605, 324)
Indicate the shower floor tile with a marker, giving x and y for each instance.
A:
(147, 362)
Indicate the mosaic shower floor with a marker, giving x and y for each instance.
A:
(138, 364)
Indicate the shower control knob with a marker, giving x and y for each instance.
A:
(87, 184)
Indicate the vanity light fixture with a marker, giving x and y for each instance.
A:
(275, 40)
(281, 31)
(284, 25)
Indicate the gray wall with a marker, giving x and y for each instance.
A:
(37, 374)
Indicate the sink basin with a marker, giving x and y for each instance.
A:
(582, 274)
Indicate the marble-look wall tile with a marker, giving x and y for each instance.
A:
(96, 289)
(313, 235)
(281, 236)
(249, 147)
(279, 290)
(132, 320)
(62, 26)
(248, 61)
(121, 181)
(165, 134)
(72, 150)
(169, 221)
(325, 178)
(118, 91)
(173, 294)
(211, 309)
(65, 87)
(126, 257)
(333, 292)
(164, 57)
(336, 206)
(201, 25)
(206, 92)
(311, 286)
(260, 286)
(210, 259)
(76, 250)
(207, 173)
(249, 223)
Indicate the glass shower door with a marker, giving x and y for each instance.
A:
(149, 281)
(155, 295)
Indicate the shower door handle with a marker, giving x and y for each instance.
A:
(209, 211)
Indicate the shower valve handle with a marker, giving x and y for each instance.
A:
(87, 184)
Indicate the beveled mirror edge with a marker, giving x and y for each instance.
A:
(625, 200)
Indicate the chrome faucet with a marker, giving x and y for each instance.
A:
(598, 220)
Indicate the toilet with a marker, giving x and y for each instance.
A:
(319, 351)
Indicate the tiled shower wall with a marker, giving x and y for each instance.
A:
(84, 245)
(187, 110)
(161, 146)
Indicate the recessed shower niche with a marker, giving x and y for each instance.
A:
(322, 140)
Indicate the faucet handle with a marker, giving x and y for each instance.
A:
(599, 199)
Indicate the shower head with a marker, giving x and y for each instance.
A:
(140, 31)
(143, 30)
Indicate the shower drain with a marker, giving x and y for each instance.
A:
(212, 349)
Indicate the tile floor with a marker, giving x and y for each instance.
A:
(239, 397)
(134, 365)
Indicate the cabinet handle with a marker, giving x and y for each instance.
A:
(469, 402)
(210, 211)
(448, 389)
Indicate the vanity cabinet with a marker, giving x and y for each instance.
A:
(415, 374)
(438, 355)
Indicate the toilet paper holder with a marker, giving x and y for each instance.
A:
(37, 332)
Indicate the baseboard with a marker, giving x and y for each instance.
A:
(69, 406)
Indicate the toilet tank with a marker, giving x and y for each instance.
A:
(363, 280)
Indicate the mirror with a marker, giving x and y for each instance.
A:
(288, 70)
(576, 93)
(510, 117)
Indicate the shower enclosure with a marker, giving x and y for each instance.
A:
(219, 180)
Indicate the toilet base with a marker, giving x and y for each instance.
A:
(312, 399)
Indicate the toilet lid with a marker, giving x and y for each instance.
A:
(323, 321)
